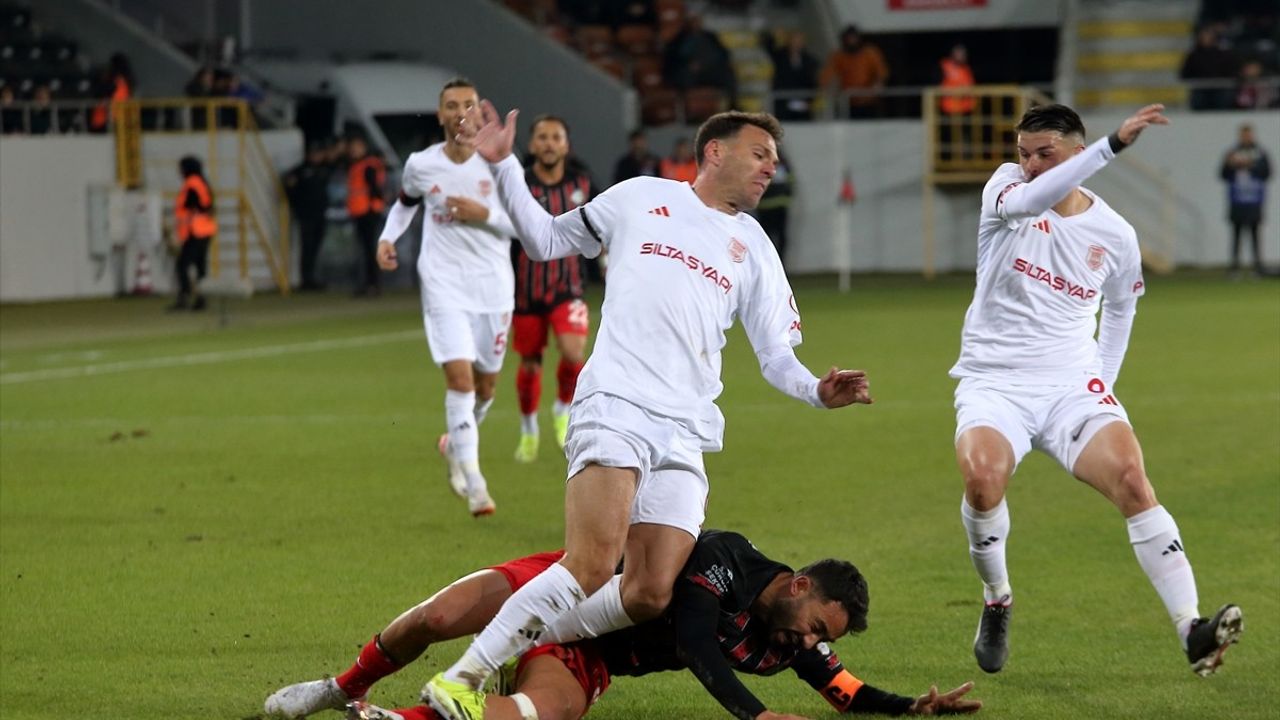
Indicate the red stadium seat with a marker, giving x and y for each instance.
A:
(658, 107)
(701, 103)
(594, 40)
(636, 39)
(646, 72)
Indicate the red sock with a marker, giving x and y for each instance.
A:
(421, 712)
(529, 388)
(372, 665)
(567, 376)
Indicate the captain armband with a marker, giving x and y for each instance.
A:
(840, 691)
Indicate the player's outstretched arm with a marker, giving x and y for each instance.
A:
(1133, 125)
(844, 387)
(950, 703)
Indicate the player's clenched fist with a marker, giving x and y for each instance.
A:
(387, 255)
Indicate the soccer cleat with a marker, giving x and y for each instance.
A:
(504, 681)
(303, 699)
(527, 450)
(361, 710)
(562, 428)
(457, 477)
(481, 504)
(991, 645)
(454, 701)
(1210, 638)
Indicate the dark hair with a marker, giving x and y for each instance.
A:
(727, 124)
(190, 165)
(1051, 118)
(457, 82)
(839, 580)
(637, 133)
(549, 118)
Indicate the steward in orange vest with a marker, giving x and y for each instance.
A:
(956, 73)
(195, 226)
(366, 185)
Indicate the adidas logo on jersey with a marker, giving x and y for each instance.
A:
(660, 211)
(1042, 226)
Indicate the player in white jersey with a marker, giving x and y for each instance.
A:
(685, 262)
(1032, 376)
(467, 282)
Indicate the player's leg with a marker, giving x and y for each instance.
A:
(597, 506)
(1110, 460)
(489, 335)
(460, 609)
(449, 338)
(529, 332)
(991, 438)
(571, 322)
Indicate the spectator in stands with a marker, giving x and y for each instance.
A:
(308, 188)
(195, 225)
(858, 65)
(1253, 91)
(1246, 170)
(10, 115)
(681, 165)
(772, 212)
(695, 57)
(201, 84)
(1207, 62)
(956, 130)
(41, 116)
(116, 85)
(795, 74)
(366, 203)
(638, 160)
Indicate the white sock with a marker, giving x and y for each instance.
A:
(1154, 536)
(482, 409)
(464, 437)
(560, 408)
(988, 531)
(529, 424)
(518, 625)
(597, 615)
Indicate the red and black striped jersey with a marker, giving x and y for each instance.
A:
(541, 286)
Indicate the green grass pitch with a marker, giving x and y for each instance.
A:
(192, 516)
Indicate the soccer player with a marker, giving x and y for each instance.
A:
(733, 608)
(685, 261)
(549, 294)
(467, 282)
(1032, 375)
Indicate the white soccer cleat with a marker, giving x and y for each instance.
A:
(481, 504)
(457, 476)
(303, 699)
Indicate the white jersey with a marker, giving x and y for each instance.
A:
(680, 273)
(1041, 278)
(464, 266)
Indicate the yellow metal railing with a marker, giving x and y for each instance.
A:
(255, 187)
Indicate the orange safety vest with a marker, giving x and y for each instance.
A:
(362, 199)
(98, 116)
(195, 222)
(955, 75)
(683, 171)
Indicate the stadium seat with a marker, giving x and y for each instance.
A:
(611, 65)
(702, 102)
(636, 39)
(658, 106)
(646, 72)
(558, 32)
(594, 40)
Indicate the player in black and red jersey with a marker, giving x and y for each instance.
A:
(732, 609)
(549, 294)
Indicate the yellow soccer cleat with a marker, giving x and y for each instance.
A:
(527, 450)
(562, 428)
(454, 701)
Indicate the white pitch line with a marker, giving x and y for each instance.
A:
(204, 358)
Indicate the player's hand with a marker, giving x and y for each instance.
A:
(770, 715)
(844, 387)
(483, 132)
(952, 703)
(387, 255)
(1133, 125)
(464, 209)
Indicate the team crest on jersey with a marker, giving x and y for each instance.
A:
(737, 250)
(486, 187)
(1095, 257)
(435, 190)
(577, 196)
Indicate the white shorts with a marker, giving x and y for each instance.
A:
(1052, 418)
(480, 338)
(607, 430)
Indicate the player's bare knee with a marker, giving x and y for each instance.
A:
(1133, 492)
(984, 484)
(645, 601)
